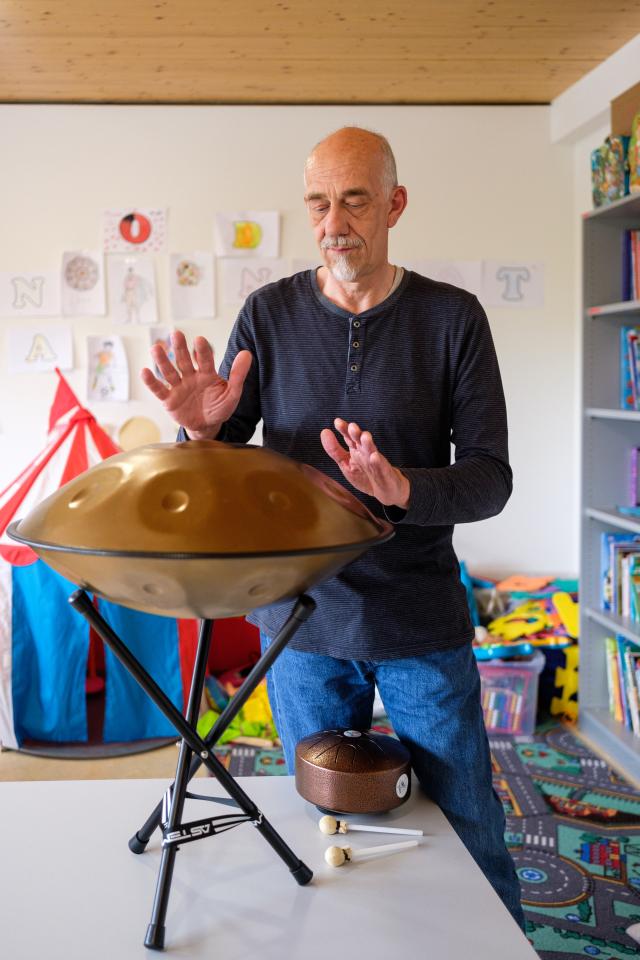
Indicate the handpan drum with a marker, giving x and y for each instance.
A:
(199, 529)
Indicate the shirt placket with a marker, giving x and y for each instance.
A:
(355, 354)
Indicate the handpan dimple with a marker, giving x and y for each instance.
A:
(153, 589)
(257, 590)
(176, 501)
(94, 490)
(279, 500)
(203, 528)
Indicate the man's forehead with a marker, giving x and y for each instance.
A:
(342, 176)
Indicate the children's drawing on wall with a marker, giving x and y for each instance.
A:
(139, 230)
(162, 335)
(30, 294)
(39, 349)
(460, 273)
(132, 290)
(248, 233)
(135, 291)
(82, 284)
(513, 284)
(240, 278)
(191, 286)
(108, 370)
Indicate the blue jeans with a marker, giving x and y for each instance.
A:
(433, 703)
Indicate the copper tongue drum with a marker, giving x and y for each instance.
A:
(199, 529)
(208, 530)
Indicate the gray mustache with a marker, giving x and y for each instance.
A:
(346, 242)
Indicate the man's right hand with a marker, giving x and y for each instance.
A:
(193, 393)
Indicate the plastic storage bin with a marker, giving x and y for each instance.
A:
(510, 693)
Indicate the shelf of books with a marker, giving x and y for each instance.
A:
(610, 509)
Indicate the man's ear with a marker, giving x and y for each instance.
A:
(398, 204)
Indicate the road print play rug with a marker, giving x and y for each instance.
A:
(573, 829)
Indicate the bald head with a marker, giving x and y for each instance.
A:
(353, 200)
(359, 146)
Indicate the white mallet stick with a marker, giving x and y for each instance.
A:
(329, 825)
(336, 856)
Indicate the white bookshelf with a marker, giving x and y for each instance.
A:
(608, 434)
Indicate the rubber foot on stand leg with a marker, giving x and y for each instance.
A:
(154, 939)
(136, 845)
(302, 874)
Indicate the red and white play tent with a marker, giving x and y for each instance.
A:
(44, 643)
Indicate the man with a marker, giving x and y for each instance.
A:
(402, 366)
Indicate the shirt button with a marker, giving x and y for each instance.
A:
(356, 324)
(354, 367)
(356, 344)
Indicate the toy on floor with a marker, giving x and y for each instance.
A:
(487, 650)
(254, 724)
(519, 582)
(566, 704)
(538, 622)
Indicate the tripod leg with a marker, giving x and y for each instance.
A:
(154, 938)
(299, 870)
(80, 601)
(301, 612)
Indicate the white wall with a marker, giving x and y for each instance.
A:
(484, 182)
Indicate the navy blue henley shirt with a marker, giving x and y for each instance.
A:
(418, 370)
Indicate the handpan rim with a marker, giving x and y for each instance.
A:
(386, 533)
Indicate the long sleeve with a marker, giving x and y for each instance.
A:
(479, 483)
(426, 376)
(240, 427)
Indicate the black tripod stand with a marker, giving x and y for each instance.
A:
(195, 751)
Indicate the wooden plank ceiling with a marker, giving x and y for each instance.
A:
(299, 51)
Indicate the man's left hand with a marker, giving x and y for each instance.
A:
(364, 466)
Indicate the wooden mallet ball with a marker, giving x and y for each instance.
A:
(329, 825)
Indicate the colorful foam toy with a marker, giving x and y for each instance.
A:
(566, 704)
(550, 621)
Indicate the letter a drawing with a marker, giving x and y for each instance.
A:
(40, 349)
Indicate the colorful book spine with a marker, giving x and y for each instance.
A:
(630, 265)
(629, 368)
(622, 658)
(632, 689)
(627, 269)
(611, 681)
(613, 546)
(626, 715)
(634, 478)
(612, 659)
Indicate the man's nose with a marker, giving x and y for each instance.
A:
(335, 222)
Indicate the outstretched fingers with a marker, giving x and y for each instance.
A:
(157, 387)
(367, 444)
(334, 448)
(164, 365)
(383, 476)
(184, 362)
(203, 354)
(343, 429)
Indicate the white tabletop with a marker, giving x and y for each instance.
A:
(71, 889)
